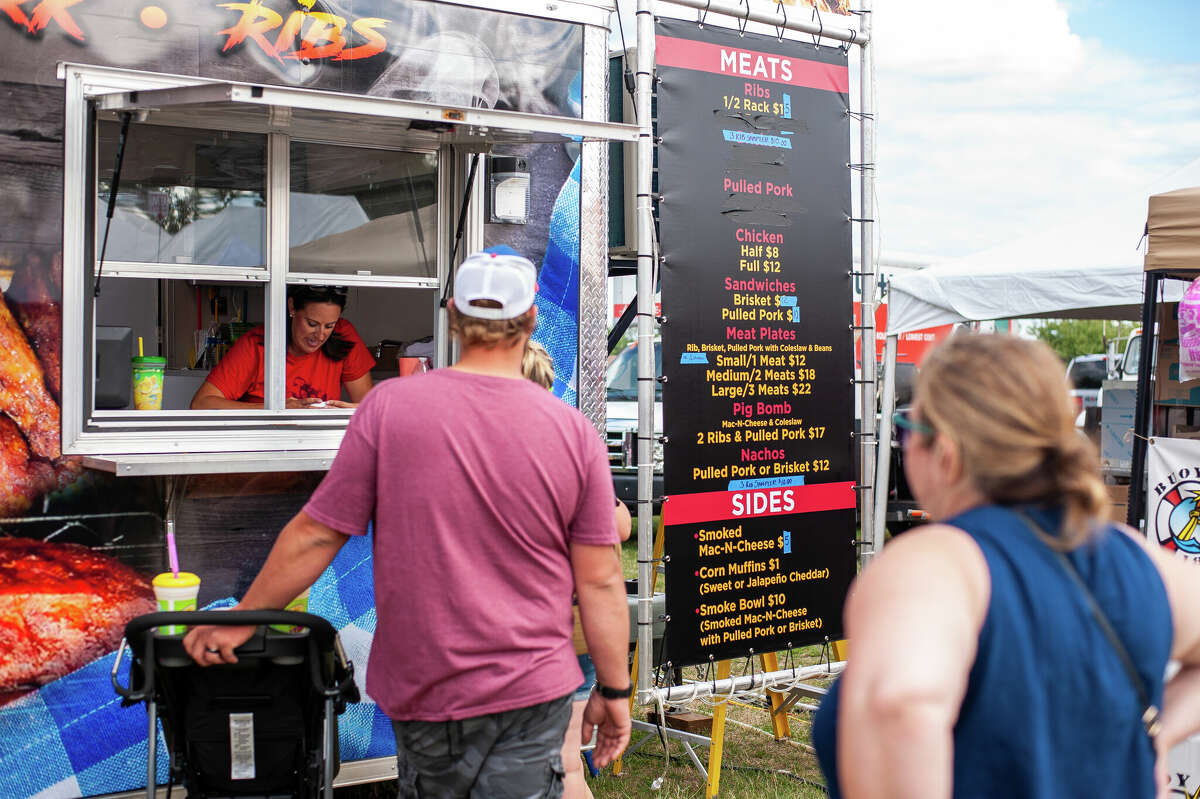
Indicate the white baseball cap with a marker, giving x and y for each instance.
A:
(499, 275)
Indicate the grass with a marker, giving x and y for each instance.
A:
(629, 560)
(629, 553)
(755, 765)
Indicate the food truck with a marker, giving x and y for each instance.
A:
(171, 170)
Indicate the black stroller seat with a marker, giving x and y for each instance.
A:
(265, 726)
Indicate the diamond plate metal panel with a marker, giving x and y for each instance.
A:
(593, 235)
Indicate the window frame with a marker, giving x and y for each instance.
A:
(455, 132)
(91, 432)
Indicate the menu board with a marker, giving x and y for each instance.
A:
(757, 343)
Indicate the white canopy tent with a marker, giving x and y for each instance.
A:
(1089, 266)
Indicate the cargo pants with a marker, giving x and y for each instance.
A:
(516, 754)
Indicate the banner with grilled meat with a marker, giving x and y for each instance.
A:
(68, 587)
(78, 549)
(409, 49)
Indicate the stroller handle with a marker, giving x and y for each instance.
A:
(320, 629)
(322, 637)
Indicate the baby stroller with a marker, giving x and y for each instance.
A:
(265, 726)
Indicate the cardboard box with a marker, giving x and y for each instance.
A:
(1167, 387)
(1168, 322)
(1118, 507)
(1185, 431)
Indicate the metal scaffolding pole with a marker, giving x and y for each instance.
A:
(646, 255)
(866, 248)
(724, 688)
(778, 19)
(645, 340)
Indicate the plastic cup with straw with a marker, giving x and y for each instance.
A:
(147, 380)
(175, 590)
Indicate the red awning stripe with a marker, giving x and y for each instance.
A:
(736, 62)
(721, 505)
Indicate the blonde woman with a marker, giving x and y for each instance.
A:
(537, 365)
(1017, 648)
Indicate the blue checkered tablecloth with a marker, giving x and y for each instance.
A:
(558, 290)
(72, 738)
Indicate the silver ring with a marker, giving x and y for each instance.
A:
(212, 651)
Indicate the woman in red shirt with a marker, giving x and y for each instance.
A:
(324, 355)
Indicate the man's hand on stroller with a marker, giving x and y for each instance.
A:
(210, 645)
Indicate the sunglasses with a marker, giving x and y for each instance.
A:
(905, 425)
(318, 293)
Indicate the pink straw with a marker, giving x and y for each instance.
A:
(172, 554)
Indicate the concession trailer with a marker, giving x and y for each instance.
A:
(170, 170)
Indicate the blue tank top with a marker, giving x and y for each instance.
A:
(1049, 711)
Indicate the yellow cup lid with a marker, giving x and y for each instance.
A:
(169, 580)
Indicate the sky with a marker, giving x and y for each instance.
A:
(1006, 117)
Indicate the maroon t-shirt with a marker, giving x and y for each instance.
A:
(477, 485)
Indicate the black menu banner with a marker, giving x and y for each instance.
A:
(757, 347)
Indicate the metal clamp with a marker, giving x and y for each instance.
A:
(124, 691)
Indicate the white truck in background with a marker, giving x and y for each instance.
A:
(1118, 399)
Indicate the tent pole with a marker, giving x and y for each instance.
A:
(1141, 422)
(883, 462)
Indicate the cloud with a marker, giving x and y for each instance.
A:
(996, 119)
(992, 122)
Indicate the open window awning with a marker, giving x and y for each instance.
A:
(358, 119)
(157, 465)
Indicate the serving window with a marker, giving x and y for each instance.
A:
(212, 229)
(228, 196)
(186, 273)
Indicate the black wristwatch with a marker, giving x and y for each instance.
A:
(614, 693)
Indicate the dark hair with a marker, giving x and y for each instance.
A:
(335, 347)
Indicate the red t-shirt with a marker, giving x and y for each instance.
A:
(239, 375)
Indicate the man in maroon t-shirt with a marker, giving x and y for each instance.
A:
(492, 503)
